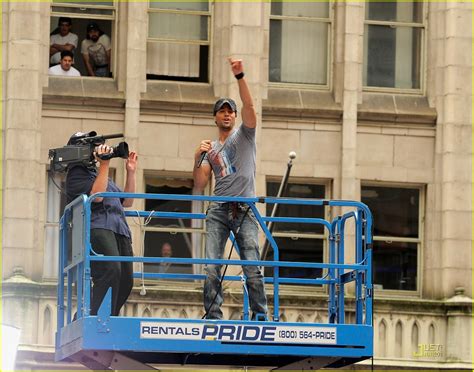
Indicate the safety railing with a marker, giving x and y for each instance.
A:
(76, 254)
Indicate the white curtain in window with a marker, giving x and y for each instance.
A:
(304, 52)
(304, 45)
(175, 59)
(172, 59)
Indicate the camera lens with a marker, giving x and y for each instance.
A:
(121, 150)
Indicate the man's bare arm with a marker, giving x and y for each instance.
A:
(202, 173)
(249, 116)
(87, 62)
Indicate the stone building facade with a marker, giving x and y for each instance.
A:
(374, 99)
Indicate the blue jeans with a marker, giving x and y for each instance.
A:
(221, 219)
(102, 71)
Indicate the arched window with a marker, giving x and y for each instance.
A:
(432, 334)
(382, 344)
(414, 336)
(146, 313)
(47, 326)
(399, 340)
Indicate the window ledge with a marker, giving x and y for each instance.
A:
(84, 91)
(301, 103)
(178, 96)
(407, 304)
(394, 108)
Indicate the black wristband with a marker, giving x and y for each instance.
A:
(239, 76)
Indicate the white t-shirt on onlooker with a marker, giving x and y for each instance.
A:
(70, 38)
(58, 71)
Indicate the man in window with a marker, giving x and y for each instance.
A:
(65, 66)
(62, 39)
(166, 251)
(232, 160)
(96, 51)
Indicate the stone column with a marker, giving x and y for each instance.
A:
(135, 76)
(351, 97)
(239, 32)
(24, 67)
(134, 82)
(451, 223)
(432, 252)
(458, 344)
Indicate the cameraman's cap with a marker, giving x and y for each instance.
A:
(225, 101)
(92, 26)
(76, 137)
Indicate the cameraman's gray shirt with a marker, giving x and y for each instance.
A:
(233, 163)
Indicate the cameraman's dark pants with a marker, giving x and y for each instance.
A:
(118, 275)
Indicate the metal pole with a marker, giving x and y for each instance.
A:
(284, 182)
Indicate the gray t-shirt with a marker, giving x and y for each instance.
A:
(233, 163)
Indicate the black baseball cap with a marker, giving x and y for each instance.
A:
(225, 101)
(92, 26)
(76, 137)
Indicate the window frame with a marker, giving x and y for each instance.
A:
(50, 224)
(210, 20)
(113, 18)
(328, 214)
(330, 45)
(61, 201)
(173, 230)
(423, 26)
(419, 241)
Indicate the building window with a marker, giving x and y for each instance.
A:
(397, 213)
(393, 40)
(298, 242)
(300, 35)
(178, 41)
(55, 203)
(171, 237)
(98, 54)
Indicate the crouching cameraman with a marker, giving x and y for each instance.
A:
(110, 234)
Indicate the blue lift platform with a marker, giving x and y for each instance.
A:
(108, 342)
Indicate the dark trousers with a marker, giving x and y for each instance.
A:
(118, 275)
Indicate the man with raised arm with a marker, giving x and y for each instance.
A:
(231, 158)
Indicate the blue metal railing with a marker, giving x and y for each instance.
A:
(76, 253)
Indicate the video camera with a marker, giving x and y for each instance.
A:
(80, 149)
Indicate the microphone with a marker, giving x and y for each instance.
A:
(203, 155)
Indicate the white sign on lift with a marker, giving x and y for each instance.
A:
(239, 333)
